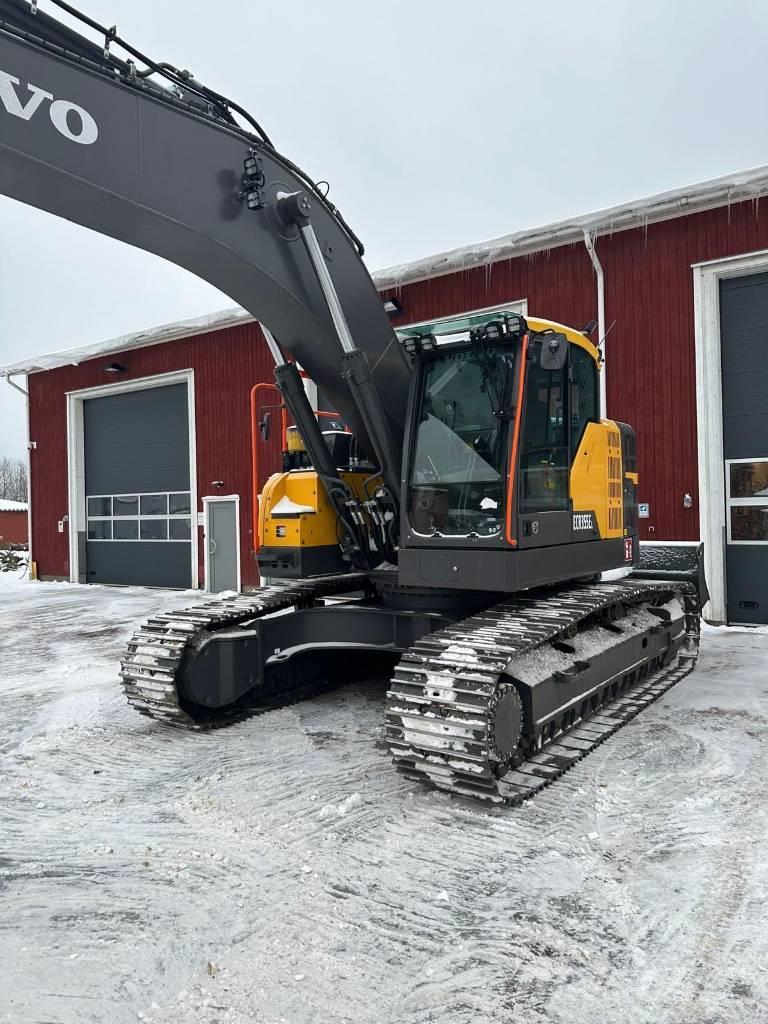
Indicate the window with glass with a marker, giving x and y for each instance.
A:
(583, 394)
(459, 460)
(139, 517)
(544, 453)
(747, 484)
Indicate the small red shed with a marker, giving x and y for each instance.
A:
(13, 522)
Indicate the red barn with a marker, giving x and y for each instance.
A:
(144, 441)
(13, 522)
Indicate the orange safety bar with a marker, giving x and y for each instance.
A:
(511, 540)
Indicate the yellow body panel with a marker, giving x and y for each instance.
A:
(313, 521)
(597, 483)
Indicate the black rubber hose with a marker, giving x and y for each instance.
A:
(222, 103)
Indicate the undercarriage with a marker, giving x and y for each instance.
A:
(490, 699)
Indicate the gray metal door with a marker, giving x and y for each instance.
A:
(137, 487)
(222, 543)
(744, 335)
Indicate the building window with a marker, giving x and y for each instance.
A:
(99, 529)
(747, 482)
(125, 529)
(153, 504)
(162, 516)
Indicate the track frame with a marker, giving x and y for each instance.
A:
(443, 700)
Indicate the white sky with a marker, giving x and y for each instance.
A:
(437, 122)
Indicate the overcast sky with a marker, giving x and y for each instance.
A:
(437, 122)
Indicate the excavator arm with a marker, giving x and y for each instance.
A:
(495, 693)
(95, 140)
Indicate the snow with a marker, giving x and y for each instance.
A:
(7, 505)
(281, 870)
(136, 339)
(286, 507)
(535, 667)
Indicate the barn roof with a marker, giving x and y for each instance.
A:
(6, 505)
(679, 202)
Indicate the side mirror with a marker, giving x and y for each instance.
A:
(554, 351)
(264, 425)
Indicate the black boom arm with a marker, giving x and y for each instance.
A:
(85, 136)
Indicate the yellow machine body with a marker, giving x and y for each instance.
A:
(298, 527)
(597, 475)
(294, 510)
(597, 478)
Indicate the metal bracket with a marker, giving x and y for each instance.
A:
(108, 39)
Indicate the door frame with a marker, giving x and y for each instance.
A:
(76, 510)
(209, 500)
(709, 415)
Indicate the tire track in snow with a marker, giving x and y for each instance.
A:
(281, 869)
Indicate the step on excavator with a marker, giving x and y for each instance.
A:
(456, 535)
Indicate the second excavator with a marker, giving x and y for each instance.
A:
(456, 536)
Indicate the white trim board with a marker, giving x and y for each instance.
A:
(709, 415)
(76, 458)
(208, 500)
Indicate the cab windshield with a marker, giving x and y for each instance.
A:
(459, 462)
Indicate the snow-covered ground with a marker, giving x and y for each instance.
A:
(280, 871)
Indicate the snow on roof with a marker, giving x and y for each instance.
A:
(678, 202)
(137, 339)
(6, 505)
(706, 195)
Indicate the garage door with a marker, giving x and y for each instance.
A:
(137, 488)
(744, 327)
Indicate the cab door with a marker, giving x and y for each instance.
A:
(545, 456)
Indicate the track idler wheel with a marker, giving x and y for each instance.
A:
(505, 724)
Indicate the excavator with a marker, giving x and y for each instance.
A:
(472, 531)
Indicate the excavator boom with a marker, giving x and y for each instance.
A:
(85, 137)
(511, 659)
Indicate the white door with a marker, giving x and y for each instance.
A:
(222, 540)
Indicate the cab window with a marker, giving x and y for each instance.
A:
(583, 395)
(544, 452)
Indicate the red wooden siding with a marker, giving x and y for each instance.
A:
(226, 363)
(650, 350)
(13, 527)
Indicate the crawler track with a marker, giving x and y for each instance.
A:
(442, 707)
(458, 689)
(153, 667)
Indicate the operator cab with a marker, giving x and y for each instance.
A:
(504, 428)
(459, 458)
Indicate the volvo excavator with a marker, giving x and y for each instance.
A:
(455, 536)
